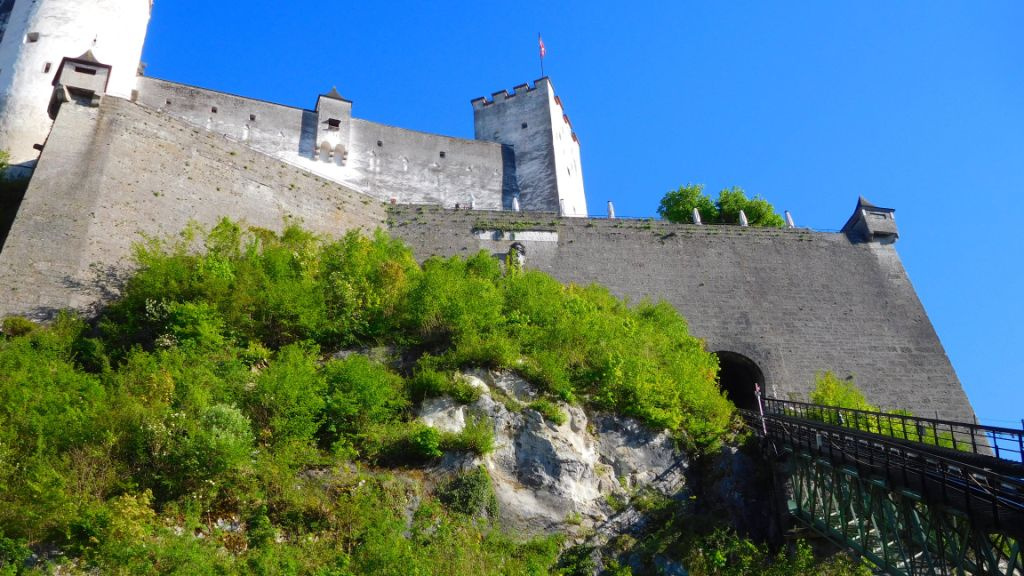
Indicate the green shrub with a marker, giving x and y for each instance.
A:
(13, 554)
(550, 411)
(477, 437)
(431, 383)
(425, 443)
(14, 326)
(360, 393)
(470, 493)
(577, 560)
(829, 390)
(286, 401)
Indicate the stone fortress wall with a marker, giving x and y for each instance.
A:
(525, 147)
(114, 174)
(381, 161)
(794, 301)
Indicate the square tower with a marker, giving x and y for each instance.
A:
(531, 122)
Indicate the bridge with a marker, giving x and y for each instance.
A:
(913, 496)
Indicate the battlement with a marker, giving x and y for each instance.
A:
(503, 95)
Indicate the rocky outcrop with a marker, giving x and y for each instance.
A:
(577, 476)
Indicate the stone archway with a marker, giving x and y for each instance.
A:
(737, 376)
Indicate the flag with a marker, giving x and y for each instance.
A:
(543, 51)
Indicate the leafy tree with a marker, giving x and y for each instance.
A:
(759, 212)
(678, 205)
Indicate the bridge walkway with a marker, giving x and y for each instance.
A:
(911, 495)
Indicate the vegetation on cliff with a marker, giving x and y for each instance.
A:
(202, 424)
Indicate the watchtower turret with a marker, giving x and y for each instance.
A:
(333, 127)
(35, 38)
(532, 123)
(869, 223)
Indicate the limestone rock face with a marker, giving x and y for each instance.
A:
(550, 477)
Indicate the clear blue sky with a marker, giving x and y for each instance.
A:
(917, 105)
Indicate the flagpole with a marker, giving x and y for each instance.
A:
(540, 43)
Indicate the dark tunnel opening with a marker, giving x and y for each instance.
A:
(737, 376)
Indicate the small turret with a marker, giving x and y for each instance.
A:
(333, 127)
(83, 80)
(869, 223)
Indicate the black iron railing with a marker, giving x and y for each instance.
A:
(1003, 443)
(993, 498)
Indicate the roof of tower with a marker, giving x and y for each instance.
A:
(334, 95)
(862, 202)
(88, 57)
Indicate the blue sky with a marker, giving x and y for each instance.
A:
(917, 105)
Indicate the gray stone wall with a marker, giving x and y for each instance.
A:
(112, 173)
(794, 301)
(379, 160)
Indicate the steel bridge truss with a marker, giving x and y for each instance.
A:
(893, 527)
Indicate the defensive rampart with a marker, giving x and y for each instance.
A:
(379, 160)
(794, 301)
(110, 174)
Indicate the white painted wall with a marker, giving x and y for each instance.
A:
(568, 169)
(115, 31)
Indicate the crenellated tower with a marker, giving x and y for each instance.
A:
(532, 123)
(36, 38)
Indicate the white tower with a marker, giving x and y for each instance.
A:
(532, 123)
(35, 37)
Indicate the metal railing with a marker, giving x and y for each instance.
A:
(980, 492)
(1002, 443)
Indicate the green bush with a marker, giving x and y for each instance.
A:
(286, 401)
(469, 493)
(477, 437)
(425, 443)
(14, 326)
(360, 393)
(829, 390)
(550, 411)
(430, 383)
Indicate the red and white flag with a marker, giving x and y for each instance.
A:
(543, 51)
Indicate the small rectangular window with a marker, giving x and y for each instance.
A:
(46, 67)
(89, 71)
(32, 37)
(213, 109)
(379, 143)
(252, 117)
(442, 154)
(168, 102)
(524, 125)
(334, 123)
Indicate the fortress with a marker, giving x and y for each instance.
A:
(113, 154)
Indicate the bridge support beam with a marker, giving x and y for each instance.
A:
(895, 529)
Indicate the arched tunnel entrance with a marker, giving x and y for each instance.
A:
(737, 376)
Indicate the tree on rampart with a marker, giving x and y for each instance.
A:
(677, 206)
